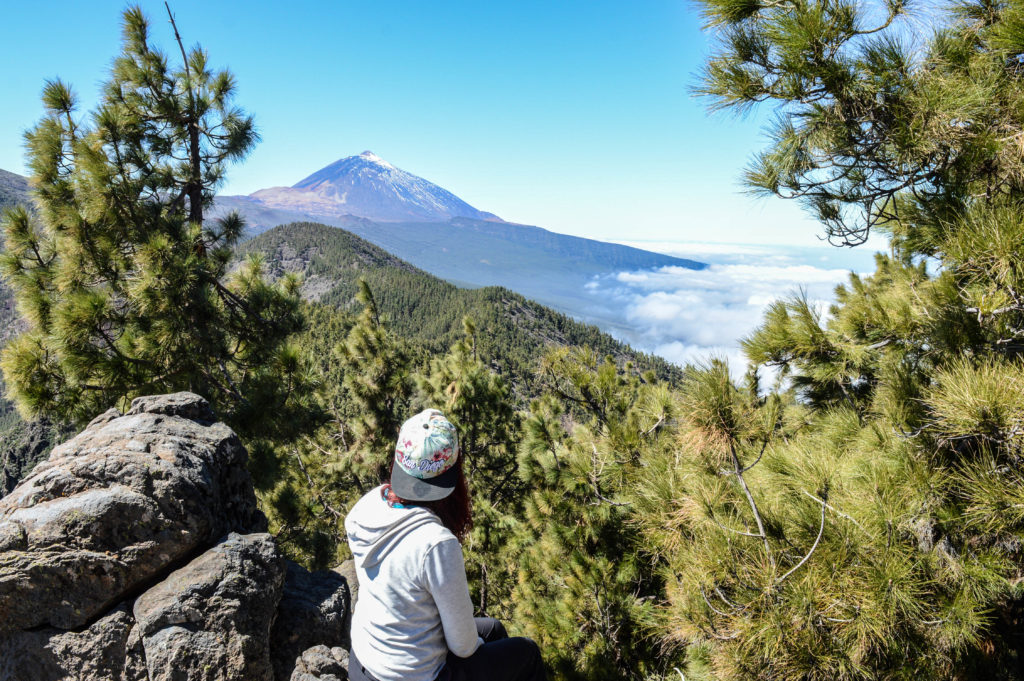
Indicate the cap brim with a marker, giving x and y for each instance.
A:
(411, 488)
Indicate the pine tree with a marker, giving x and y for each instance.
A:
(125, 282)
(860, 521)
(311, 493)
(366, 394)
(478, 402)
(585, 588)
(377, 387)
(313, 486)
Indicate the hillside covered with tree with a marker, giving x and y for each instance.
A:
(427, 311)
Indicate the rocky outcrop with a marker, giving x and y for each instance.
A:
(347, 570)
(136, 552)
(117, 504)
(314, 610)
(211, 619)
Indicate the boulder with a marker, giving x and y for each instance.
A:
(321, 663)
(314, 610)
(116, 508)
(211, 620)
(99, 653)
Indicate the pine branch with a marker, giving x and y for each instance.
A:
(713, 608)
(594, 483)
(821, 531)
(317, 493)
(729, 529)
(738, 472)
(657, 424)
(764, 445)
(195, 182)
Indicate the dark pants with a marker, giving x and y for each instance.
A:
(500, 658)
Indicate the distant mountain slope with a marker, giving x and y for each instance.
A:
(553, 269)
(514, 331)
(425, 310)
(13, 189)
(368, 186)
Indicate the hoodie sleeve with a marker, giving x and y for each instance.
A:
(446, 579)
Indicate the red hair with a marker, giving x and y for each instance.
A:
(455, 510)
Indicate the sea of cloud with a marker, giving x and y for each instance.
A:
(688, 316)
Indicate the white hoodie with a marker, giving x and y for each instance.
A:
(413, 604)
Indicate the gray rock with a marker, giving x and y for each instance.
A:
(135, 665)
(182, 404)
(348, 570)
(116, 507)
(313, 610)
(211, 620)
(99, 653)
(321, 663)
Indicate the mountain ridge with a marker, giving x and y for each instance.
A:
(551, 268)
(513, 330)
(327, 195)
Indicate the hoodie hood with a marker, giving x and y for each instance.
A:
(374, 528)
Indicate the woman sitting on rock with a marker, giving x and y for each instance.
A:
(413, 620)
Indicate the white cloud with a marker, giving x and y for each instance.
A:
(718, 253)
(700, 248)
(688, 315)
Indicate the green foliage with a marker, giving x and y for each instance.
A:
(858, 522)
(377, 383)
(874, 130)
(124, 285)
(307, 498)
(584, 587)
(478, 402)
(366, 386)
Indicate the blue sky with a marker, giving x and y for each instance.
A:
(575, 116)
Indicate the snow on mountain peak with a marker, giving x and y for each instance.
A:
(374, 158)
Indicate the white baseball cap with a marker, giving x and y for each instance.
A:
(425, 457)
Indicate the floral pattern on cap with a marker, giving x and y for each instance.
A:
(428, 445)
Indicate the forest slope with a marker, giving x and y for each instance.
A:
(513, 331)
